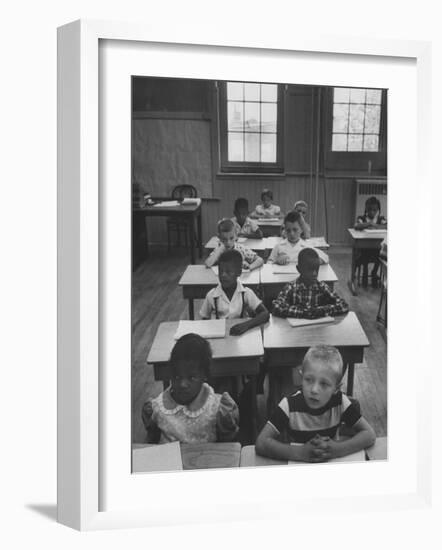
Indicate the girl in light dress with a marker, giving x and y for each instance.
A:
(189, 410)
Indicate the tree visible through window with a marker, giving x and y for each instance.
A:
(252, 122)
(356, 119)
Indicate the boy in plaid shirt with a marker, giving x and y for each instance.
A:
(306, 297)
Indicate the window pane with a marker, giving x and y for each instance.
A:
(251, 117)
(340, 117)
(372, 119)
(339, 142)
(357, 95)
(251, 148)
(374, 96)
(251, 92)
(341, 95)
(235, 151)
(235, 90)
(355, 142)
(268, 147)
(356, 118)
(371, 143)
(235, 116)
(269, 92)
(268, 117)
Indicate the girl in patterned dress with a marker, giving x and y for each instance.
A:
(189, 410)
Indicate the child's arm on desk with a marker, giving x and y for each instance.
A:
(364, 437)
(261, 317)
(227, 419)
(213, 257)
(268, 445)
(153, 432)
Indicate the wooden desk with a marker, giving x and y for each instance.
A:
(258, 245)
(232, 356)
(191, 213)
(378, 451)
(286, 346)
(249, 458)
(316, 242)
(197, 456)
(362, 240)
(197, 280)
(273, 283)
(270, 228)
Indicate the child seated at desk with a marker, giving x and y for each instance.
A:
(228, 241)
(371, 219)
(288, 249)
(231, 300)
(301, 207)
(312, 415)
(306, 297)
(267, 209)
(245, 226)
(189, 411)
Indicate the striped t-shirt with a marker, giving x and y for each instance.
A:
(301, 423)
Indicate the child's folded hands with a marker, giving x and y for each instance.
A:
(282, 259)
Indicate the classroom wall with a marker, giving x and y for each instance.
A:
(187, 110)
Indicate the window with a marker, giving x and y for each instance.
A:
(356, 119)
(251, 122)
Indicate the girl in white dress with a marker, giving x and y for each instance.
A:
(189, 410)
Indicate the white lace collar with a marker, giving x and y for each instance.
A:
(184, 408)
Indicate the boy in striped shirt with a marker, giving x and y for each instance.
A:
(312, 415)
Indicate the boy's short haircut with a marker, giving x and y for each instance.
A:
(300, 203)
(292, 217)
(307, 255)
(241, 203)
(225, 225)
(327, 355)
(267, 193)
(192, 347)
(373, 201)
(231, 256)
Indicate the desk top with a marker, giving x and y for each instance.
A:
(197, 456)
(269, 222)
(249, 458)
(325, 274)
(180, 209)
(356, 234)
(254, 244)
(345, 331)
(317, 242)
(200, 275)
(248, 344)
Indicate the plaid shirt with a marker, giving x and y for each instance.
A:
(299, 300)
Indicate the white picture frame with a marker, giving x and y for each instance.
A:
(81, 293)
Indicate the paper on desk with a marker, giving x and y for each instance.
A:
(264, 220)
(167, 204)
(287, 268)
(374, 230)
(191, 200)
(316, 241)
(157, 458)
(306, 322)
(242, 239)
(359, 456)
(212, 328)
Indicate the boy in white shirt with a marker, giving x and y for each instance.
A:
(231, 299)
(288, 249)
(267, 209)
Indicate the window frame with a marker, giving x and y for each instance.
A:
(355, 161)
(247, 167)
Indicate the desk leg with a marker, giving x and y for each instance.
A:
(351, 282)
(253, 407)
(350, 378)
(200, 233)
(191, 228)
(191, 310)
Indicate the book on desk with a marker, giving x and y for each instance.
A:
(210, 328)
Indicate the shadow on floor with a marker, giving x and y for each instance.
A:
(48, 511)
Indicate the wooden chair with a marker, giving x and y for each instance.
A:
(178, 224)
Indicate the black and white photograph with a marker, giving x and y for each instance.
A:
(259, 274)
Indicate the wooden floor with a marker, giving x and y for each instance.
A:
(156, 297)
